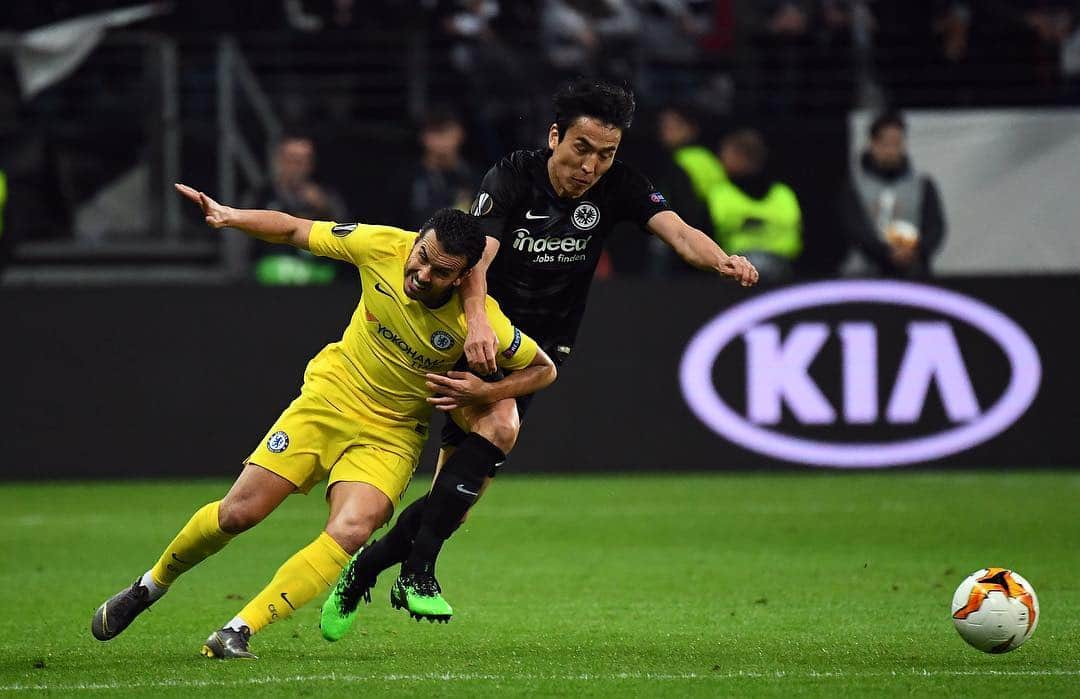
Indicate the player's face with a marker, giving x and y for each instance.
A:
(581, 158)
(430, 273)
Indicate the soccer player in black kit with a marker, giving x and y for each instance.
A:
(547, 214)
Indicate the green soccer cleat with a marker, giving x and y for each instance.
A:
(229, 644)
(421, 596)
(341, 606)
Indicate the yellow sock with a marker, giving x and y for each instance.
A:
(200, 538)
(310, 572)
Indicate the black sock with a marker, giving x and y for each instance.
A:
(394, 547)
(454, 492)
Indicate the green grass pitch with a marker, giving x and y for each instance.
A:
(818, 584)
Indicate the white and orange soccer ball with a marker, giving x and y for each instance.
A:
(995, 610)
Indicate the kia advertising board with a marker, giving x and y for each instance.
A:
(961, 373)
(890, 345)
(692, 374)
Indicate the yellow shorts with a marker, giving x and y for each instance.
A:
(314, 439)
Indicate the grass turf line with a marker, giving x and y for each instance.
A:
(643, 585)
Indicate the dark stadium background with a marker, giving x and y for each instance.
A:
(129, 327)
(628, 548)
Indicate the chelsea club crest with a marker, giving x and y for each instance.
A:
(278, 442)
(441, 340)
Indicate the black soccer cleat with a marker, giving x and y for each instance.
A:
(229, 644)
(117, 612)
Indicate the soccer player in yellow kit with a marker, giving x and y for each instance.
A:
(362, 415)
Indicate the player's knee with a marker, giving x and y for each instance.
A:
(351, 531)
(501, 429)
(236, 517)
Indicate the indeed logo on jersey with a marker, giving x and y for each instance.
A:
(552, 248)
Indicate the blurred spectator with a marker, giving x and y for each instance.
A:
(891, 214)
(442, 177)
(776, 40)
(689, 171)
(752, 214)
(670, 51)
(313, 17)
(585, 37)
(797, 54)
(485, 50)
(1050, 26)
(997, 52)
(293, 190)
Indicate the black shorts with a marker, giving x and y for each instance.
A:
(452, 434)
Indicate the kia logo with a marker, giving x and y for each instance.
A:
(777, 374)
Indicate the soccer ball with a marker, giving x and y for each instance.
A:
(995, 610)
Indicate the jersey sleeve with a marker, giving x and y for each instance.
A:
(637, 199)
(516, 349)
(357, 243)
(499, 192)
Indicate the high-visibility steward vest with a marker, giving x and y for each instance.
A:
(772, 224)
(702, 167)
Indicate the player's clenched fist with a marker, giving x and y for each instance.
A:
(217, 216)
(740, 269)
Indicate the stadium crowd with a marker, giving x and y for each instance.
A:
(729, 92)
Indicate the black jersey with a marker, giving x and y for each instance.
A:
(549, 246)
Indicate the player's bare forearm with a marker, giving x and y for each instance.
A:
(689, 243)
(474, 286)
(460, 389)
(271, 226)
(474, 297)
(521, 383)
(699, 250)
(481, 343)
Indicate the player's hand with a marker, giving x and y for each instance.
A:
(481, 346)
(217, 216)
(457, 389)
(740, 269)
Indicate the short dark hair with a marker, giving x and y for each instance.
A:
(884, 120)
(606, 102)
(458, 233)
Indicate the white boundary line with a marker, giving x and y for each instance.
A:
(465, 677)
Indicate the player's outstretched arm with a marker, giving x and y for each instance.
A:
(481, 344)
(459, 389)
(700, 250)
(271, 226)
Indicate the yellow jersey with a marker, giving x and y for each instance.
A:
(392, 340)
